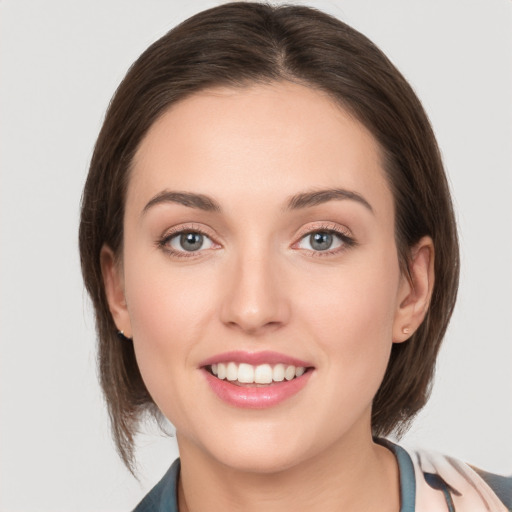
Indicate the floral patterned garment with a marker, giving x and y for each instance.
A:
(446, 482)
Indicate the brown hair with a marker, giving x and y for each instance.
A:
(240, 43)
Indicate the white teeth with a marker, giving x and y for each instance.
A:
(221, 371)
(261, 374)
(289, 373)
(232, 371)
(299, 371)
(245, 373)
(278, 373)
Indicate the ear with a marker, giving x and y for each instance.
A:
(415, 291)
(113, 282)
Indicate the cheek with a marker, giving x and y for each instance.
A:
(163, 302)
(352, 317)
(357, 299)
(168, 311)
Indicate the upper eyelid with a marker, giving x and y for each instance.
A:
(323, 226)
(188, 228)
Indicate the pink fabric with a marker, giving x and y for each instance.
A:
(469, 492)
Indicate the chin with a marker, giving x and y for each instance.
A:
(257, 461)
(248, 448)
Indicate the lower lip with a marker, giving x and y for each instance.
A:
(256, 397)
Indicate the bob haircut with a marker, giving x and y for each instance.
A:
(240, 44)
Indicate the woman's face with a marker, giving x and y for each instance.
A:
(259, 243)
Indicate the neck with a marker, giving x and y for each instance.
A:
(355, 475)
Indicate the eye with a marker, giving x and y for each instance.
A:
(189, 241)
(324, 240)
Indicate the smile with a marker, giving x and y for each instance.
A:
(255, 380)
(243, 373)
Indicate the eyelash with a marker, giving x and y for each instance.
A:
(163, 242)
(342, 234)
(346, 240)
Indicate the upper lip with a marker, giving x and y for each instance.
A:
(254, 358)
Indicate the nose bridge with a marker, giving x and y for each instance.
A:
(254, 299)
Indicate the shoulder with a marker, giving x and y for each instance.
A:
(463, 487)
(162, 497)
(501, 485)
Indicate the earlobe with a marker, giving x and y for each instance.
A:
(415, 291)
(114, 289)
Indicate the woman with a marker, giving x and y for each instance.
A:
(269, 242)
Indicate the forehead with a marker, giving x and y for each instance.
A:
(269, 139)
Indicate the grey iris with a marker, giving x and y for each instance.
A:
(321, 241)
(191, 241)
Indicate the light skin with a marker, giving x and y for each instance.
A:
(239, 167)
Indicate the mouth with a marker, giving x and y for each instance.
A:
(255, 380)
(244, 374)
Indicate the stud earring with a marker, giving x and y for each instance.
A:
(406, 330)
(122, 337)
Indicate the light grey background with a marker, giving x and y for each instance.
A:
(61, 61)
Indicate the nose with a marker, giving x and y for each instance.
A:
(255, 299)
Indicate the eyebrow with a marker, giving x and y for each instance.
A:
(189, 199)
(296, 202)
(316, 197)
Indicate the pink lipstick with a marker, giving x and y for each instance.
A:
(255, 380)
